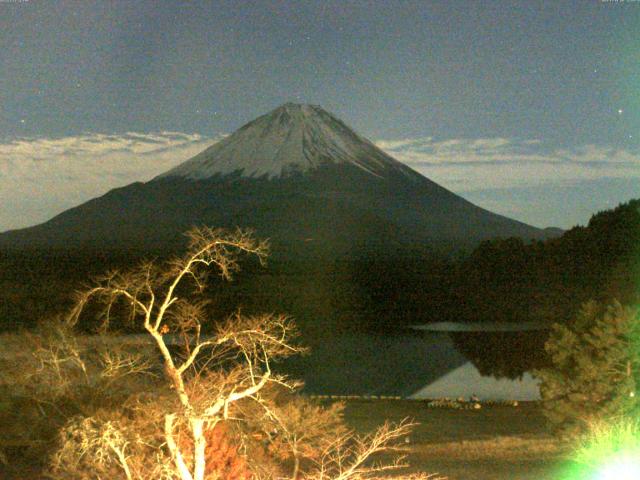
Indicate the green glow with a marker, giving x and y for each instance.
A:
(619, 468)
(608, 452)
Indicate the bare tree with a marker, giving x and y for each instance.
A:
(153, 300)
(215, 378)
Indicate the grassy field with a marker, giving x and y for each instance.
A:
(496, 442)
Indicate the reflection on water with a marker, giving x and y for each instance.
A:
(503, 354)
(482, 327)
(403, 363)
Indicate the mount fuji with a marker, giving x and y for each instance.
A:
(297, 175)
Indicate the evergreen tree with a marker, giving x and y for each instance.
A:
(594, 367)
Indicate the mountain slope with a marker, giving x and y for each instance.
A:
(297, 175)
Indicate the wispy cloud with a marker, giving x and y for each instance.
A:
(41, 177)
(466, 165)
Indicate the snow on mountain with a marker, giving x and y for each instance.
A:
(297, 175)
(289, 140)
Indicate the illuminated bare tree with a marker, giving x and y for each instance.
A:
(158, 300)
(215, 377)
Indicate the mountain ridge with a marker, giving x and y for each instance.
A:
(297, 175)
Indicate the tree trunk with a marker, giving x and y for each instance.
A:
(183, 471)
(296, 465)
(199, 444)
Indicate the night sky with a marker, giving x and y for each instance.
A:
(528, 108)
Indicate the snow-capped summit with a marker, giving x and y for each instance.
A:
(293, 138)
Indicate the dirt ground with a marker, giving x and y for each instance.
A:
(496, 442)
